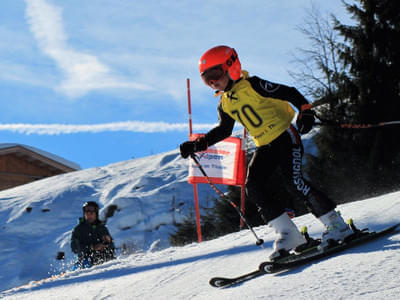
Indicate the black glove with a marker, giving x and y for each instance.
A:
(305, 121)
(189, 147)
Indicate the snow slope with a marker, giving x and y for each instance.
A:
(369, 271)
(36, 220)
(151, 194)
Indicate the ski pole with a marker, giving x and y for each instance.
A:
(221, 194)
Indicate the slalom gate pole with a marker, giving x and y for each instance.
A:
(196, 196)
(221, 194)
(324, 122)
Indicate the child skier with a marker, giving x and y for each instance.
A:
(90, 239)
(262, 107)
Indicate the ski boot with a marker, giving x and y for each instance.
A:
(289, 237)
(336, 230)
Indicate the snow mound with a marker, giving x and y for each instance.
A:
(141, 197)
(368, 271)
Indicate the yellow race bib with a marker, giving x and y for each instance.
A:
(264, 118)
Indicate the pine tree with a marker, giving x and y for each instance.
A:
(354, 163)
(186, 231)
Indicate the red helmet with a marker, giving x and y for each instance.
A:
(224, 56)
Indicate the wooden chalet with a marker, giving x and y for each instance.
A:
(20, 164)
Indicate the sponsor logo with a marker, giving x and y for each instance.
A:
(297, 176)
(232, 96)
(209, 156)
(269, 86)
(218, 151)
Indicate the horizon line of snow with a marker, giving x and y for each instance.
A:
(131, 126)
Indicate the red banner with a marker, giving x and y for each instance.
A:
(223, 162)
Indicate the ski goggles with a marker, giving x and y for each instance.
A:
(213, 74)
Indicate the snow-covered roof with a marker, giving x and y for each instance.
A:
(41, 153)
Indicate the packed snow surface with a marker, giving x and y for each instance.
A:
(151, 193)
(369, 271)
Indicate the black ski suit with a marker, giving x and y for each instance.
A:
(85, 236)
(262, 108)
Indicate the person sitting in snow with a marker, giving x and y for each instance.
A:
(90, 239)
(262, 107)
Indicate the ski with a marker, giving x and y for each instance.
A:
(313, 254)
(359, 238)
(222, 282)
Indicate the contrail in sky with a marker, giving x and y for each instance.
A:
(131, 126)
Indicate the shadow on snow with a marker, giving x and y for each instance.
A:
(380, 244)
(114, 273)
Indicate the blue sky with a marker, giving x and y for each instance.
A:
(102, 81)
